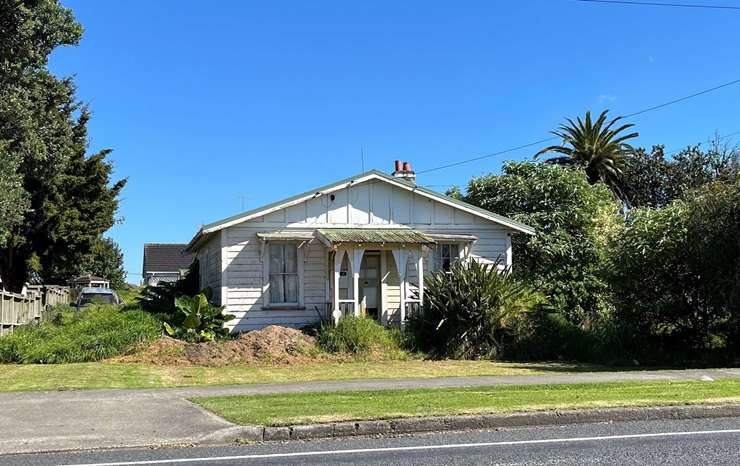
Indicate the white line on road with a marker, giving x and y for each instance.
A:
(414, 448)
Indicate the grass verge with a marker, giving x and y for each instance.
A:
(19, 377)
(307, 408)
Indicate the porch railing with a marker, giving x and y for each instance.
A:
(346, 307)
(412, 308)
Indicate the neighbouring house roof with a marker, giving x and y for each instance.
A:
(210, 228)
(336, 236)
(168, 257)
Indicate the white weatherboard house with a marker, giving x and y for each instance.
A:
(359, 246)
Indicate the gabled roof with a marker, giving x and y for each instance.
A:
(168, 257)
(357, 179)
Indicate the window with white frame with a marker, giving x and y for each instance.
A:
(445, 255)
(283, 273)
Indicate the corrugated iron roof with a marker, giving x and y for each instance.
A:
(286, 235)
(374, 235)
(452, 237)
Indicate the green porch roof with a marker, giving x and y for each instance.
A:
(374, 236)
(286, 235)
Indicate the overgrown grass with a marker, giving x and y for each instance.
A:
(129, 295)
(358, 336)
(18, 377)
(92, 334)
(304, 408)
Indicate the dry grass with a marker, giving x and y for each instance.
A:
(118, 375)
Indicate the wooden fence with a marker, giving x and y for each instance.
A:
(17, 309)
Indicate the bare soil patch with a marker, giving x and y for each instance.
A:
(273, 345)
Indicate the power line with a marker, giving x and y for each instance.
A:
(681, 99)
(676, 5)
(542, 141)
(719, 138)
(475, 159)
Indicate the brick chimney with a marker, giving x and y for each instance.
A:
(403, 170)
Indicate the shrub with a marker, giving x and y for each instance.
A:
(92, 334)
(357, 335)
(547, 335)
(470, 311)
(195, 319)
(160, 299)
(565, 258)
(676, 276)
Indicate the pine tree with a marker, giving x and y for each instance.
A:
(70, 198)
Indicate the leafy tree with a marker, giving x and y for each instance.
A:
(651, 179)
(676, 274)
(455, 192)
(106, 260)
(572, 218)
(71, 198)
(32, 29)
(13, 199)
(595, 146)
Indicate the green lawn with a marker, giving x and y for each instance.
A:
(114, 375)
(306, 408)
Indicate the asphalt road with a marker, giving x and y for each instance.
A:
(72, 420)
(686, 442)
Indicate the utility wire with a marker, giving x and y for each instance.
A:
(542, 141)
(475, 159)
(675, 5)
(681, 99)
(719, 138)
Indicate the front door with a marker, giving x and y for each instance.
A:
(370, 284)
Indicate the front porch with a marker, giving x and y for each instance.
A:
(376, 273)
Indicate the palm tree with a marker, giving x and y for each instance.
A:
(596, 147)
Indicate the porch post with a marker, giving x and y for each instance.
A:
(356, 264)
(401, 257)
(420, 268)
(338, 257)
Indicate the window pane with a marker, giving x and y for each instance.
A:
(276, 258)
(291, 258)
(277, 290)
(291, 288)
(445, 255)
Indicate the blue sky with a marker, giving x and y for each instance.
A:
(213, 106)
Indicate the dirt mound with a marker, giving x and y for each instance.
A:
(164, 351)
(271, 345)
